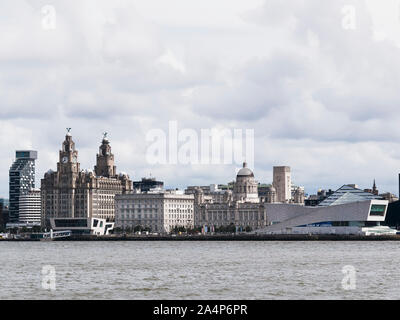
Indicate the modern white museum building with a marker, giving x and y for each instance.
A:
(348, 211)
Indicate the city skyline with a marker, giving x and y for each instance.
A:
(186, 151)
(318, 89)
(168, 185)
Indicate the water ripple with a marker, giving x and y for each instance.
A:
(199, 270)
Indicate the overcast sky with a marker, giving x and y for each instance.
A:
(322, 96)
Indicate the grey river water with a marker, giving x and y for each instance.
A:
(199, 270)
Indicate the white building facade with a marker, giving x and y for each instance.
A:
(349, 210)
(30, 208)
(82, 226)
(159, 211)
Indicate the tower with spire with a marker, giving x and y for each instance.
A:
(68, 156)
(374, 189)
(105, 160)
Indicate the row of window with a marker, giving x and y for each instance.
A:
(224, 216)
(149, 216)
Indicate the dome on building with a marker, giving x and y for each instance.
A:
(271, 189)
(123, 175)
(245, 188)
(245, 172)
(88, 172)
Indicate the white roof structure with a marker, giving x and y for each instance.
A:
(359, 217)
(348, 194)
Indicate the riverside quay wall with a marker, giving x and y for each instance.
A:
(275, 237)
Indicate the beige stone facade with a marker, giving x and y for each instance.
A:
(241, 208)
(71, 192)
(282, 182)
(298, 195)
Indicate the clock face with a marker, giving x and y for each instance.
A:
(64, 160)
(74, 160)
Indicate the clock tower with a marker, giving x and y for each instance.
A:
(68, 162)
(71, 192)
(105, 160)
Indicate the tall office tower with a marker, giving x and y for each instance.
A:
(22, 180)
(30, 208)
(283, 184)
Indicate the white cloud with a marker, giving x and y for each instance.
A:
(320, 98)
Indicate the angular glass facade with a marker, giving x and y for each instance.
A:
(22, 180)
(348, 194)
(377, 210)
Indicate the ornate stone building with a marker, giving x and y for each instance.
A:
(270, 196)
(246, 187)
(298, 195)
(160, 211)
(71, 192)
(241, 208)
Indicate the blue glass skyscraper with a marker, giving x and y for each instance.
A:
(22, 180)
